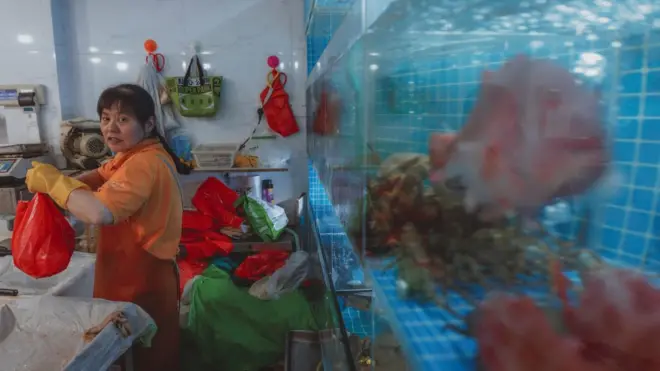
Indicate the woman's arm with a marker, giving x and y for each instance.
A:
(119, 197)
(92, 178)
(84, 205)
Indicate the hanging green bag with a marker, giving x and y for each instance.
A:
(195, 95)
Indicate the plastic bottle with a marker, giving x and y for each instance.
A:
(267, 191)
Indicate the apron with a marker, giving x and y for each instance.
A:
(127, 272)
(133, 275)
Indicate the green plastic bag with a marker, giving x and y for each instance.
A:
(230, 330)
(195, 96)
(267, 221)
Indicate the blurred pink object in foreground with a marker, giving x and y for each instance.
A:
(440, 147)
(514, 335)
(618, 318)
(533, 135)
(616, 326)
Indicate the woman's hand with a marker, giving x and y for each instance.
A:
(45, 178)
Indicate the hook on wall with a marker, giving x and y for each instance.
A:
(150, 46)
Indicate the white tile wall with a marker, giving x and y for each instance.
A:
(100, 43)
(28, 55)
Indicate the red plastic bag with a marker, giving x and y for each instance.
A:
(205, 245)
(190, 235)
(258, 266)
(228, 219)
(213, 194)
(189, 269)
(197, 221)
(277, 109)
(215, 199)
(43, 240)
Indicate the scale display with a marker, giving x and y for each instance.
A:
(8, 94)
(6, 165)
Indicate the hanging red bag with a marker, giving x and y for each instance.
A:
(43, 240)
(275, 102)
(328, 112)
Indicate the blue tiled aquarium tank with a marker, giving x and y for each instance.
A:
(323, 18)
(394, 73)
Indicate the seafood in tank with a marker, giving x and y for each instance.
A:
(437, 243)
(614, 326)
(533, 135)
(454, 220)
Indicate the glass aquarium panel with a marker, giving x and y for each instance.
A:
(330, 312)
(323, 18)
(343, 264)
(466, 147)
(386, 352)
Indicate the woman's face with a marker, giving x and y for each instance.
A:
(121, 130)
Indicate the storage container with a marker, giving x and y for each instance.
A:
(212, 156)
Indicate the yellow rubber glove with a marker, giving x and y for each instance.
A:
(45, 178)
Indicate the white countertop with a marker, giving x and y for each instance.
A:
(76, 280)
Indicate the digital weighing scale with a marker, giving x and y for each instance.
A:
(20, 144)
(15, 160)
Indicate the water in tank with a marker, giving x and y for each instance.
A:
(323, 18)
(471, 147)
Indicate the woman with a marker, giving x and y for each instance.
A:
(136, 199)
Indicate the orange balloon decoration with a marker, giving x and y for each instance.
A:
(150, 46)
(157, 59)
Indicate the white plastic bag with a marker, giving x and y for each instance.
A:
(284, 280)
(154, 83)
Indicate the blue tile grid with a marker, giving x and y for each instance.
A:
(325, 19)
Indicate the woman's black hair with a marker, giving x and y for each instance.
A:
(138, 102)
